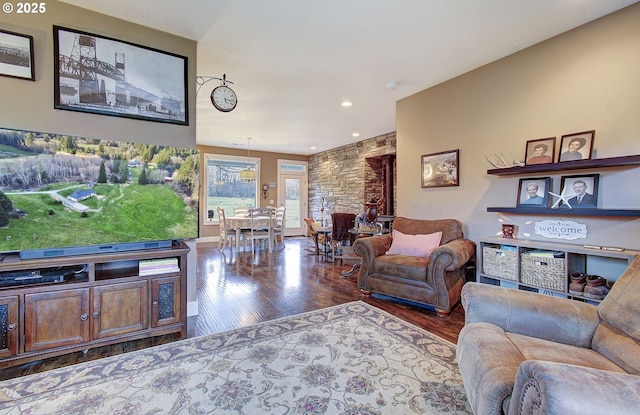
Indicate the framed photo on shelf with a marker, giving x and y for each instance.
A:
(16, 59)
(534, 192)
(576, 146)
(579, 191)
(123, 80)
(440, 169)
(540, 151)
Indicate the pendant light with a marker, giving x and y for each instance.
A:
(248, 174)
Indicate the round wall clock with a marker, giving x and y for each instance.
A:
(223, 98)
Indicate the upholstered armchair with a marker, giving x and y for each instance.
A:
(425, 263)
(527, 353)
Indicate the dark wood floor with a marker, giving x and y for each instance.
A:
(237, 289)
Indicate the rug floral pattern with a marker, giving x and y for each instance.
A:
(348, 359)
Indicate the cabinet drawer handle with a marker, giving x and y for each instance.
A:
(11, 327)
(96, 314)
(84, 317)
(155, 303)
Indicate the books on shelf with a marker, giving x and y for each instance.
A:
(158, 266)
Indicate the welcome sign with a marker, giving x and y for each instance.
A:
(561, 229)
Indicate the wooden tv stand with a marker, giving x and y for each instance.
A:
(104, 299)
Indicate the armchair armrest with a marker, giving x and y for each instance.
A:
(369, 249)
(562, 389)
(531, 314)
(454, 254)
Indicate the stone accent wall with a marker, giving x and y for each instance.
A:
(348, 176)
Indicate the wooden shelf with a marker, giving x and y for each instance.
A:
(567, 212)
(569, 165)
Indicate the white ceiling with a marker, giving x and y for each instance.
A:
(293, 62)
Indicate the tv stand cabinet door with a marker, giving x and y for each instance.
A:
(56, 319)
(8, 326)
(120, 308)
(165, 303)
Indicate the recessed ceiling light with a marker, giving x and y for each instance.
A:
(355, 135)
(346, 103)
(312, 148)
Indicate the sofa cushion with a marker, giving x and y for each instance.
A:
(414, 245)
(405, 266)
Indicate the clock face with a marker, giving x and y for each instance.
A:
(223, 98)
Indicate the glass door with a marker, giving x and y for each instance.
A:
(292, 194)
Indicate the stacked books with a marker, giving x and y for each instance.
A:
(158, 266)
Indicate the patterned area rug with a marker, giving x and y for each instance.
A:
(348, 359)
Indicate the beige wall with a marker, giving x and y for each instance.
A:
(585, 79)
(29, 105)
(268, 174)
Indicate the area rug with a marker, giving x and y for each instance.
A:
(348, 359)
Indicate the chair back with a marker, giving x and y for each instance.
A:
(223, 222)
(261, 218)
(340, 225)
(279, 217)
(451, 228)
(241, 211)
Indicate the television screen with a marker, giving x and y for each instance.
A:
(62, 195)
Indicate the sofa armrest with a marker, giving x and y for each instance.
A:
(546, 317)
(369, 249)
(562, 389)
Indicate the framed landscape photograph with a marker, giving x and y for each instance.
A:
(580, 191)
(16, 55)
(534, 192)
(576, 146)
(540, 151)
(100, 75)
(440, 169)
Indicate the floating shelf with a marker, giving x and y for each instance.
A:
(569, 165)
(567, 212)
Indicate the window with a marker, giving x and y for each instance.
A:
(224, 188)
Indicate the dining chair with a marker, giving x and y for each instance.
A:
(227, 235)
(278, 225)
(261, 226)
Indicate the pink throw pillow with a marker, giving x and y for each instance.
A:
(414, 245)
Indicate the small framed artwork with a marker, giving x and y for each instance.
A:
(576, 146)
(540, 151)
(16, 59)
(534, 192)
(106, 76)
(441, 169)
(579, 191)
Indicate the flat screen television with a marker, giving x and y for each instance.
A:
(63, 195)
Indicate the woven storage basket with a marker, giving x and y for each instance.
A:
(499, 263)
(544, 272)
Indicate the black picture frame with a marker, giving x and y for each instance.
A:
(101, 75)
(539, 199)
(583, 151)
(16, 61)
(568, 191)
(440, 169)
(532, 156)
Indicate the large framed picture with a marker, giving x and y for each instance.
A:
(534, 192)
(576, 146)
(540, 151)
(441, 169)
(100, 75)
(579, 191)
(16, 57)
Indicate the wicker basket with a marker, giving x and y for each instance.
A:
(543, 272)
(500, 263)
